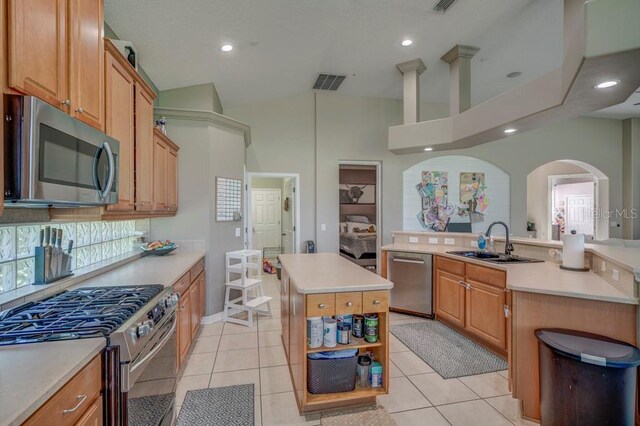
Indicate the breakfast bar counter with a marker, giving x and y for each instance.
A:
(326, 285)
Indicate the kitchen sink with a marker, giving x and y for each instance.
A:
(494, 257)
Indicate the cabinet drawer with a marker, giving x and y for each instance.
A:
(487, 275)
(182, 284)
(455, 267)
(197, 268)
(319, 305)
(375, 301)
(75, 397)
(349, 303)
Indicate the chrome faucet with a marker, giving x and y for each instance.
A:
(508, 247)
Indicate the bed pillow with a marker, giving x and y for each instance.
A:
(359, 219)
(343, 227)
(360, 228)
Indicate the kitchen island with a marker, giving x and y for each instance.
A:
(325, 284)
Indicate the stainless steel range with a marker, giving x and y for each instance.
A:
(137, 322)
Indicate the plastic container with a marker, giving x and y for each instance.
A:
(375, 375)
(586, 379)
(315, 332)
(371, 328)
(332, 375)
(344, 333)
(364, 363)
(330, 333)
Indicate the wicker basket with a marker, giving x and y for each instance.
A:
(331, 375)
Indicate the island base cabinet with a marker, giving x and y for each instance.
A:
(300, 307)
(483, 314)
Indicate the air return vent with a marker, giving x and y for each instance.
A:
(443, 5)
(328, 81)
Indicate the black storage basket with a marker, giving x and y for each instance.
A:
(331, 375)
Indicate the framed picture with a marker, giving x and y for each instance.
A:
(357, 193)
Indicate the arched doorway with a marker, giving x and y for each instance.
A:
(566, 195)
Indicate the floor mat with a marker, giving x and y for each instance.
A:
(446, 351)
(149, 410)
(370, 416)
(206, 407)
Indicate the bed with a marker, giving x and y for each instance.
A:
(358, 244)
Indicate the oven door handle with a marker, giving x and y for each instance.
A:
(112, 170)
(158, 347)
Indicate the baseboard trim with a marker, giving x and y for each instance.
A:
(210, 319)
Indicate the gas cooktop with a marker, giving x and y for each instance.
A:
(82, 313)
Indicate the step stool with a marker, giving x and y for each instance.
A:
(243, 273)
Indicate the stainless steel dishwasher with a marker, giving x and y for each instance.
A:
(411, 274)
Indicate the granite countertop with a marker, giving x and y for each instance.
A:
(544, 277)
(330, 273)
(32, 373)
(165, 270)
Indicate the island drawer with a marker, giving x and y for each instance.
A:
(375, 301)
(319, 305)
(486, 275)
(68, 405)
(349, 303)
(455, 267)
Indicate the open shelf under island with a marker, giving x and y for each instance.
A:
(325, 284)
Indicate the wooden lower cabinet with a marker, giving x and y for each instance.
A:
(184, 326)
(191, 308)
(196, 302)
(78, 402)
(284, 314)
(474, 299)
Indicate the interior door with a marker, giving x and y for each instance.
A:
(266, 218)
(288, 217)
(579, 214)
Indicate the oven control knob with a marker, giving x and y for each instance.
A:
(145, 328)
(172, 300)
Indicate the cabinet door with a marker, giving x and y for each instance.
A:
(195, 308)
(93, 416)
(203, 293)
(119, 99)
(184, 326)
(37, 57)
(284, 310)
(159, 175)
(297, 331)
(144, 150)
(449, 300)
(485, 313)
(86, 61)
(172, 180)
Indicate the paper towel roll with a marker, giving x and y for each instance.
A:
(573, 251)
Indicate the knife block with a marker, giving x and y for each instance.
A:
(40, 273)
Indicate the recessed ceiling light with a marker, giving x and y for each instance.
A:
(606, 84)
(428, 148)
(514, 74)
(510, 130)
(406, 42)
(227, 47)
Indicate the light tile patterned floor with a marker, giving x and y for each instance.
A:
(229, 354)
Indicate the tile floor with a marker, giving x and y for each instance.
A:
(229, 354)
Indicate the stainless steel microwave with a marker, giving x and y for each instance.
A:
(53, 159)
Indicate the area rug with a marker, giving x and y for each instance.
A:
(369, 416)
(446, 351)
(149, 410)
(225, 406)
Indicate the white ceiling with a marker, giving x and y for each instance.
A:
(178, 43)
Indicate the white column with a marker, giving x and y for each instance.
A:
(459, 60)
(630, 179)
(411, 71)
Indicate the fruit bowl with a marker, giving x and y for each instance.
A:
(159, 248)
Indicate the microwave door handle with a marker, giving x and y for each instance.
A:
(96, 175)
(112, 170)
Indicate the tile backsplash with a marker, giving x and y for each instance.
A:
(93, 242)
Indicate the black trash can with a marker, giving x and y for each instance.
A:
(586, 379)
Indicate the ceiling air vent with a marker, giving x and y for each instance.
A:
(443, 5)
(328, 81)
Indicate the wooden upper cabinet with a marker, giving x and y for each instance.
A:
(172, 180)
(144, 148)
(159, 175)
(37, 44)
(86, 61)
(119, 101)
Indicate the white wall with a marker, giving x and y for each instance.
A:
(310, 134)
(496, 180)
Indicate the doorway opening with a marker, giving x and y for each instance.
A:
(360, 204)
(273, 213)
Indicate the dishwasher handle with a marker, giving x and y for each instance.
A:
(408, 260)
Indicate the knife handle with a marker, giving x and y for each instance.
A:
(41, 237)
(70, 246)
(59, 238)
(47, 235)
(54, 232)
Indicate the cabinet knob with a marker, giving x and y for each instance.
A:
(321, 305)
(349, 304)
(66, 102)
(79, 110)
(376, 302)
